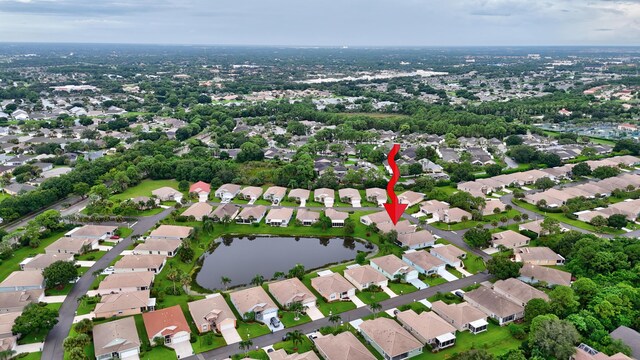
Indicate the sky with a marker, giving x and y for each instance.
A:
(324, 22)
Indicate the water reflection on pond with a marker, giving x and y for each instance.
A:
(241, 258)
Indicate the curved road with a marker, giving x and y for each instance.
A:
(53, 349)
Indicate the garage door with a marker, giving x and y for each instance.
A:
(129, 353)
(227, 326)
(183, 336)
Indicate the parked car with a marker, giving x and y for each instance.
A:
(275, 322)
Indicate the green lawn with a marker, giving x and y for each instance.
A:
(402, 288)
(125, 232)
(335, 307)
(252, 330)
(288, 319)
(144, 189)
(92, 256)
(55, 291)
(13, 264)
(455, 272)
(288, 346)
(369, 297)
(254, 354)
(474, 263)
(433, 281)
(87, 305)
(201, 344)
(496, 340)
(3, 196)
(32, 356)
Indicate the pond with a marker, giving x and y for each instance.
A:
(241, 258)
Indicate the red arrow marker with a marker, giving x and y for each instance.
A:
(395, 209)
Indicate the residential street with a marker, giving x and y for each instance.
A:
(53, 349)
(266, 340)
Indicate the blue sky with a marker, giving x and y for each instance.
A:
(325, 22)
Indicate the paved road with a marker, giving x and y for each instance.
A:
(77, 205)
(266, 340)
(53, 344)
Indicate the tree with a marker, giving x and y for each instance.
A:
(585, 289)
(296, 337)
(35, 318)
(174, 275)
(59, 273)
(478, 238)
(297, 308)
(617, 221)
(84, 326)
(563, 301)
(474, 354)
(77, 354)
(553, 338)
(225, 282)
(535, 307)
(297, 271)
(581, 169)
(249, 152)
(79, 341)
(245, 345)
(599, 222)
(349, 226)
(375, 307)
(502, 267)
(186, 254)
(335, 319)
(603, 172)
(544, 183)
(512, 140)
(257, 280)
(279, 275)
(183, 185)
(361, 257)
(550, 226)
(81, 189)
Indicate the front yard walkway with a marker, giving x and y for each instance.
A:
(356, 324)
(315, 313)
(357, 302)
(79, 318)
(85, 263)
(419, 284)
(463, 271)
(231, 336)
(104, 247)
(389, 292)
(425, 302)
(490, 250)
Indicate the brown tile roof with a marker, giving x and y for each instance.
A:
(427, 324)
(140, 261)
(167, 321)
(289, 291)
(122, 301)
(392, 264)
(390, 336)
(331, 284)
(364, 274)
(23, 278)
(252, 299)
(127, 280)
(516, 290)
(546, 274)
(344, 346)
(198, 210)
(214, 308)
(172, 231)
(115, 336)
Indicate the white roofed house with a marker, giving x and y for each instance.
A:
(275, 194)
(16, 301)
(100, 232)
(362, 277)
(344, 346)
(402, 227)
(509, 239)
(494, 305)
(337, 217)
(140, 263)
(225, 211)
(410, 198)
(123, 304)
(251, 214)
(307, 217)
(462, 316)
(453, 215)
(72, 245)
(376, 195)
(171, 232)
(250, 193)
(517, 291)
(227, 192)
(254, 300)
(450, 254)
(493, 206)
(324, 196)
(289, 291)
(433, 207)
(377, 218)
(333, 287)
(390, 339)
(42, 261)
(428, 328)
(534, 274)
(154, 246)
(393, 268)
(424, 262)
(167, 194)
(198, 210)
(299, 195)
(126, 282)
(212, 314)
(116, 340)
(279, 217)
(350, 196)
(22, 281)
(538, 256)
(416, 240)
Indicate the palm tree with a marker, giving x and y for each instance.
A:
(249, 316)
(279, 275)
(207, 225)
(226, 220)
(7, 354)
(245, 345)
(335, 319)
(225, 281)
(174, 275)
(295, 337)
(375, 307)
(257, 280)
(185, 280)
(400, 277)
(297, 307)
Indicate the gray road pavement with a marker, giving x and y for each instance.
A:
(53, 349)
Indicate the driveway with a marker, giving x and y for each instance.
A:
(356, 300)
(314, 313)
(389, 292)
(231, 336)
(29, 348)
(85, 263)
(419, 284)
(447, 275)
(183, 349)
(54, 299)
